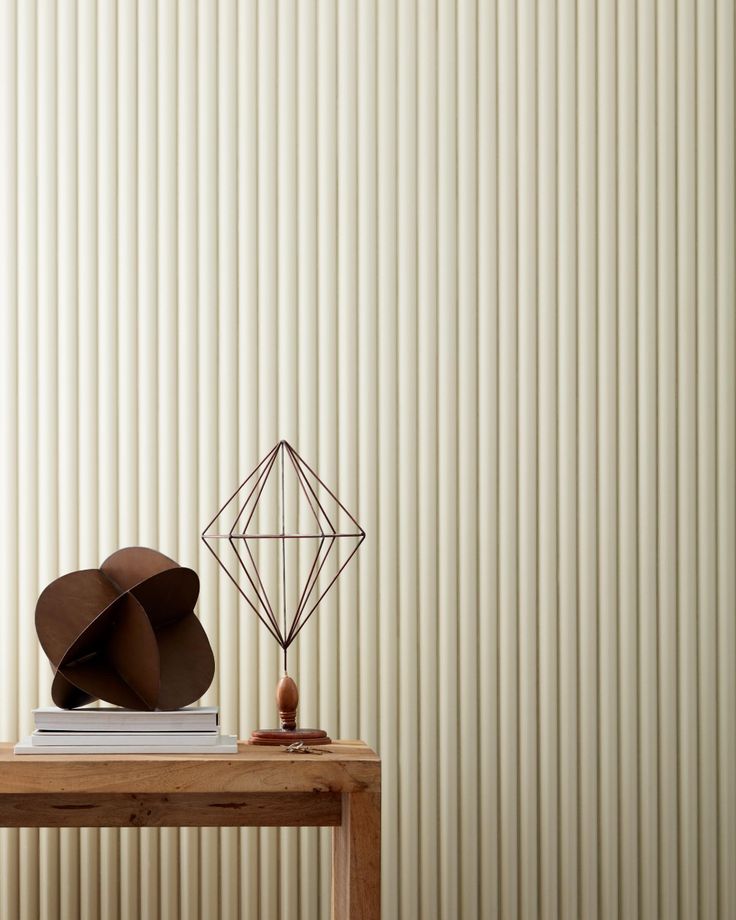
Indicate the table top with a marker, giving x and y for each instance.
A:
(345, 766)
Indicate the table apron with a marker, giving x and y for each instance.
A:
(180, 809)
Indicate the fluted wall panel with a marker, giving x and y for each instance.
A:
(477, 260)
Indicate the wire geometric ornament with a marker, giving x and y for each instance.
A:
(267, 528)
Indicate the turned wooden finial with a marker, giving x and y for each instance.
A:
(287, 700)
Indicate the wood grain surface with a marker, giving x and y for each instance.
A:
(258, 786)
(346, 766)
(189, 809)
(356, 858)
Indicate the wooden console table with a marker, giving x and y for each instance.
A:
(258, 786)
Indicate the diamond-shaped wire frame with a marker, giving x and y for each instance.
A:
(266, 555)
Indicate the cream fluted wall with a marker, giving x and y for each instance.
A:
(477, 260)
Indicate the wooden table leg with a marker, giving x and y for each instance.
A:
(356, 858)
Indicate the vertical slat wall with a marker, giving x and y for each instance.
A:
(477, 259)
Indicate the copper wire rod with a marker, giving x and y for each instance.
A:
(258, 498)
(306, 584)
(279, 536)
(263, 600)
(303, 600)
(283, 542)
(248, 601)
(322, 595)
(303, 479)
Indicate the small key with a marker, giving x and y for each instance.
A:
(299, 747)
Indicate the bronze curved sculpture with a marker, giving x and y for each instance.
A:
(126, 633)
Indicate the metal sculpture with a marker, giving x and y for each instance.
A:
(126, 633)
(290, 510)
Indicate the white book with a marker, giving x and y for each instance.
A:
(192, 718)
(226, 744)
(127, 739)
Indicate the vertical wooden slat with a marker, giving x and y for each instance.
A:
(667, 460)
(48, 433)
(507, 467)
(9, 245)
(387, 450)
(406, 306)
(367, 361)
(327, 313)
(547, 385)
(627, 804)
(156, 81)
(726, 451)
(107, 291)
(173, 194)
(467, 458)
(447, 312)
(347, 349)
(587, 368)
(687, 462)
(27, 436)
(527, 571)
(706, 433)
(647, 408)
(207, 299)
(607, 465)
(27, 385)
(427, 422)
(567, 434)
(488, 529)
(127, 271)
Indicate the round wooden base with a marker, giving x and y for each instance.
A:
(274, 736)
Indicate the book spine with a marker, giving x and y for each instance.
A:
(42, 739)
(125, 726)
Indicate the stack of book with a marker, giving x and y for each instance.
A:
(194, 730)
